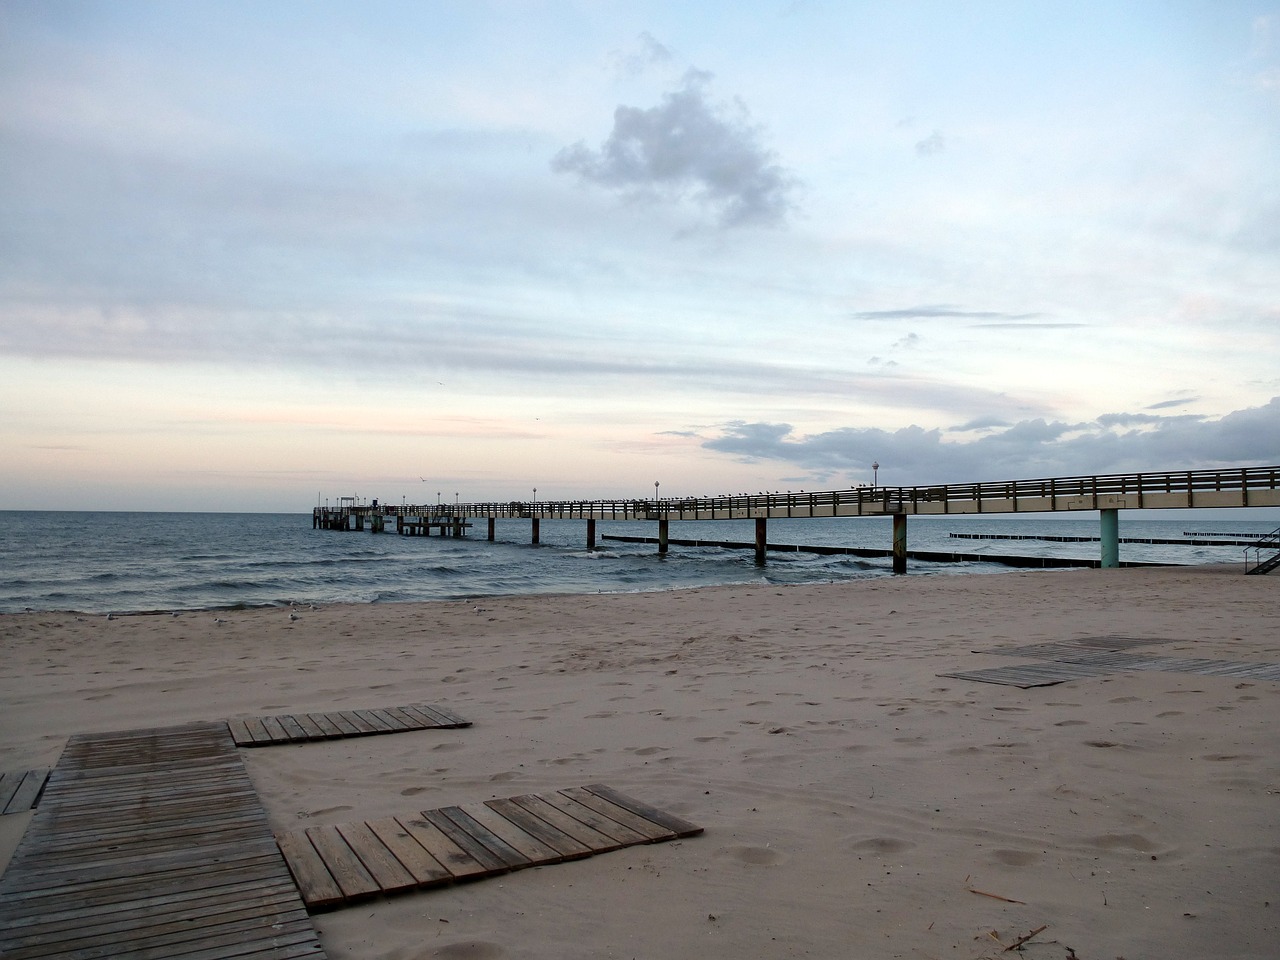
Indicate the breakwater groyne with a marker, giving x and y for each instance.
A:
(930, 556)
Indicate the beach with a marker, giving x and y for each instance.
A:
(855, 803)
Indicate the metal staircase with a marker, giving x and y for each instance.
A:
(1270, 543)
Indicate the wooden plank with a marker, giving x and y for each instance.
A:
(596, 841)
(607, 808)
(370, 717)
(343, 865)
(460, 864)
(275, 730)
(239, 732)
(381, 863)
(406, 721)
(347, 728)
(315, 882)
(474, 848)
(257, 730)
(393, 725)
(27, 790)
(449, 718)
(669, 821)
(293, 730)
(565, 844)
(610, 828)
(427, 719)
(310, 728)
(328, 729)
(363, 727)
(426, 869)
(518, 839)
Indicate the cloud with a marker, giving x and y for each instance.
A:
(1166, 404)
(942, 311)
(646, 53)
(931, 145)
(1113, 443)
(688, 148)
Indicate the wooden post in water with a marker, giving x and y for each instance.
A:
(899, 543)
(762, 540)
(535, 529)
(591, 534)
(492, 524)
(663, 524)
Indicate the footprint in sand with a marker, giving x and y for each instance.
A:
(754, 856)
(413, 791)
(883, 845)
(1016, 858)
(1072, 723)
(468, 950)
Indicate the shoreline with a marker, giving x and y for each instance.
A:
(852, 798)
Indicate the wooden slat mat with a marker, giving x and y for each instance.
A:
(1054, 649)
(20, 789)
(1202, 666)
(152, 843)
(1026, 675)
(337, 865)
(301, 727)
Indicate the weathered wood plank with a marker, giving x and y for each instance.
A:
(315, 882)
(426, 869)
(567, 846)
(607, 808)
(537, 806)
(460, 864)
(344, 866)
(389, 873)
(26, 790)
(610, 828)
(669, 821)
(477, 850)
(509, 833)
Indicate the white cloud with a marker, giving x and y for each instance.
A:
(688, 148)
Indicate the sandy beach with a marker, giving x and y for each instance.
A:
(855, 803)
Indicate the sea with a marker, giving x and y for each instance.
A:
(143, 562)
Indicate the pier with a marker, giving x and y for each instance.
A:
(1106, 494)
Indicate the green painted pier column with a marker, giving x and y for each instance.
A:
(762, 539)
(663, 525)
(591, 534)
(899, 543)
(1110, 536)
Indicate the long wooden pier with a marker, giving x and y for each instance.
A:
(1107, 494)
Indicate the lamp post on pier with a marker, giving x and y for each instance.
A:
(875, 469)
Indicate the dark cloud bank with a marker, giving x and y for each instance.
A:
(1114, 443)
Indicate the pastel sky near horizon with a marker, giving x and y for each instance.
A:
(257, 254)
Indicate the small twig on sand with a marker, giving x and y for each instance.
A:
(1021, 940)
(994, 896)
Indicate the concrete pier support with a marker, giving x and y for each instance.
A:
(492, 525)
(535, 529)
(663, 525)
(762, 538)
(591, 534)
(899, 543)
(1110, 536)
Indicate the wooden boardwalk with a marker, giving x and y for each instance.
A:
(336, 865)
(1100, 656)
(152, 843)
(21, 789)
(303, 727)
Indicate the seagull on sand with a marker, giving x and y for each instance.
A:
(294, 616)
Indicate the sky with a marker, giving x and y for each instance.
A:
(256, 255)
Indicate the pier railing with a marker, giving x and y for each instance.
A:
(1241, 487)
